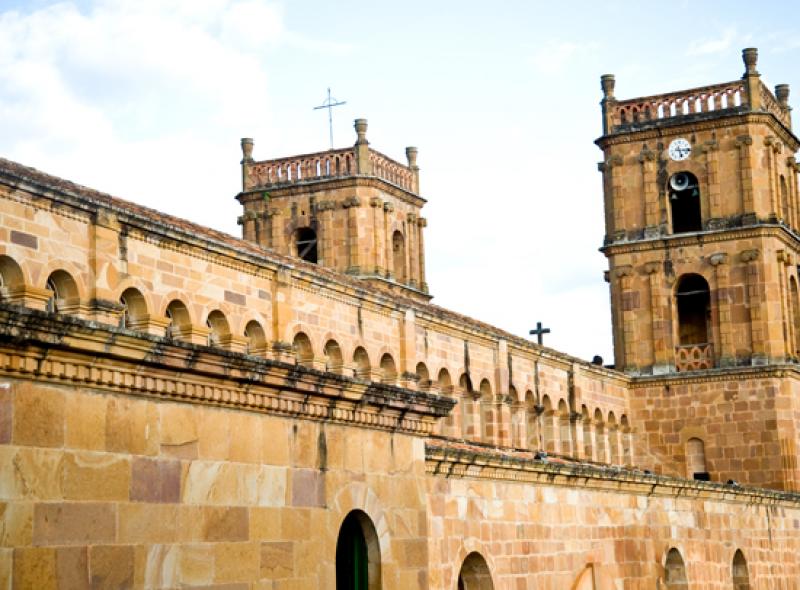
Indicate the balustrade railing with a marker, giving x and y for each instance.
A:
(694, 357)
(330, 164)
(714, 98)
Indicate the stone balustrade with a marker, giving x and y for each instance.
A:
(694, 357)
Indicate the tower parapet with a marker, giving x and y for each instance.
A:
(352, 209)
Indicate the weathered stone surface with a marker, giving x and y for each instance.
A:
(73, 524)
(155, 480)
(112, 567)
(38, 416)
(96, 476)
(277, 560)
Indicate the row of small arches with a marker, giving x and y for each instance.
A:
(476, 417)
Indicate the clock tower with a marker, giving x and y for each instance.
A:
(702, 226)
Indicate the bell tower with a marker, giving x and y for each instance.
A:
(702, 226)
(352, 210)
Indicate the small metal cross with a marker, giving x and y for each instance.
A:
(329, 103)
(540, 332)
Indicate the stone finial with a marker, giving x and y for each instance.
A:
(411, 156)
(750, 58)
(247, 149)
(361, 129)
(782, 94)
(607, 82)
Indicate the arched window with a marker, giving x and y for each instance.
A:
(564, 436)
(444, 382)
(696, 460)
(306, 243)
(549, 432)
(333, 357)
(586, 423)
(684, 199)
(358, 554)
(10, 276)
(303, 352)
(134, 308)
(613, 439)
(600, 437)
(795, 302)
(256, 338)
(64, 292)
(488, 425)
(470, 426)
(361, 362)
(531, 422)
(179, 320)
(388, 369)
(741, 577)
(675, 571)
(474, 573)
(423, 377)
(694, 309)
(399, 256)
(218, 325)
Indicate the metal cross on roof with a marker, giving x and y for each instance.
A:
(329, 103)
(540, 332)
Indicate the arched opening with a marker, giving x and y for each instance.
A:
(306, 244)
(470, 423)
(795, 302)
(444, 382)
(64, 292)
(684, 200)
(531, 422)
(474, 573)
(612, 433)
(303, 352)
(218, 326)
(134, 308)
(399, 256)
(423, 377)
(696, 460)
(256, 338)
(586, 423)
(564, 437)
(741, 577)
(694, 309)
(361, 363)
(675, 571)
(179, 320)
(548, 427)
(600, 437)
(358, 554)
(10, 276)
(388, 369)
(625, 439)
(333, 357)
(488, 426)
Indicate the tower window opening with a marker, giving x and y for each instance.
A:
(307, 244)
(684, 199)
(694, 310)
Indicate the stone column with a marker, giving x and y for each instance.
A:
(628, 303)
(422, 223)
(726, 353)
(773, 148)
(408, 377)
(326, 233)
(277, 223)
(352, 205)
(711, 151)
(247, 160)
(613, 166)
(791, 189)
(755, 300)
(388, 209)
(282, 314)
(743, 142)
(247, 221)
(785, 260)
(590, 430)
(474, 412)
(413, 257)
(652, 210)
(103, 263)
(752, 81)
(576, 428)
(663, 356)
(378, 236)
(607, 83)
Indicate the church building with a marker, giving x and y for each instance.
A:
(180, 408)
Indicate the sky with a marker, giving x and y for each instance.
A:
(147, 100)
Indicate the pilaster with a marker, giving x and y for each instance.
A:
(422, 223)
(755, 300)
(103, 260)
(727, 353)
(744, 143)
(628, 303)
(663, 358)
(647, 159)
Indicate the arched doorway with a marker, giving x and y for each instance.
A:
(474, 573)
(741, 577)
(675, 571)
(358, 557)
(693, 304)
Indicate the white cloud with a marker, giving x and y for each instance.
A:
(554, 57)
(721, 44)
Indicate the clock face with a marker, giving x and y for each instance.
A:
(679, 149)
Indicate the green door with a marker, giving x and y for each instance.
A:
(351, 556)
